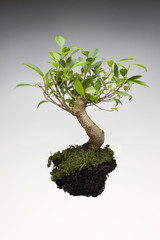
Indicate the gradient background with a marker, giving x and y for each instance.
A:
(31, 206)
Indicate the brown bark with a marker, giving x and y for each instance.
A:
(95, 134)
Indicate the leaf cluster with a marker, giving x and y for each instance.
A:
(95, 79)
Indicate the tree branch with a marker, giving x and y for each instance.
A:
(48, 98)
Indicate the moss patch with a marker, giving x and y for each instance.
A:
(75, 159)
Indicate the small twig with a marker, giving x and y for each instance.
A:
(102, 108)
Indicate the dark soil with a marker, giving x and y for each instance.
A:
(87, 182)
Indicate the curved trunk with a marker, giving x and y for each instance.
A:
(95, 134)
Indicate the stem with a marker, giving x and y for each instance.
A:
(95, 134)
(48, 98)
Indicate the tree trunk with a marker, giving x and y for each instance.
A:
(95, 134)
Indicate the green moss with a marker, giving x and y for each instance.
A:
(75, 158)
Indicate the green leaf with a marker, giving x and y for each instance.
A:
(35, 68)
(62, 63)
(135, 77)
(111, 82)
(87, 82)
(71, 46)
(25, 84)
(116, 109)
(55, 64)
(100, 92)
(97, 65)
(79, 87)
(50, 84)
(94, 98)
(93, 53)
(48, 75)
(65, 49)
(52, 92)
(139, 82)
(115, 70)
(98, 85)
(41, 103)
(109, 86)
(55, 56)
(110, 63)
(116, 80)
(60, 40)
(126, 88)
(142, 66)
(90, 90)
(116, 100)
(126, 59)
(122, 93)
(85, 53)
(70, 62)
(90, 60)
(96, 73)
(75, 50)
(72, 51)
(120, 65)
(123, 72)
(81, 63)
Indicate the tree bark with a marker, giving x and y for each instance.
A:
(95, 134)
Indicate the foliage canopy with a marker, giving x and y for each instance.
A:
(95, 79)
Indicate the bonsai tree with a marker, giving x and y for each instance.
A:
(73, 84)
